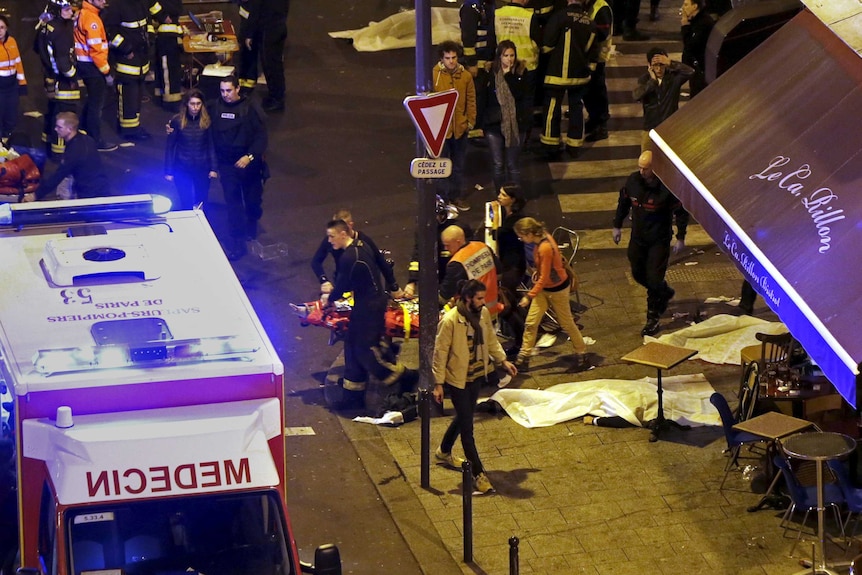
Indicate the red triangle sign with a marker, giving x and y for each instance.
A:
(432, 115)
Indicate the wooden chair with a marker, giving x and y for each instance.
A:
(756, 360)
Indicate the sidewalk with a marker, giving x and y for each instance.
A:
(585, 499)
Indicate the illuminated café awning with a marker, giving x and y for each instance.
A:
(769, 160)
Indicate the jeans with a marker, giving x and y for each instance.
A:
(505, 159)
(558, 302)
(464, 402)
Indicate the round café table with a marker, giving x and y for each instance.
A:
(819, 446)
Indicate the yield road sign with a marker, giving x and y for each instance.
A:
(432, 115)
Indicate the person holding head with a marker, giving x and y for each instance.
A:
(240, 140)
(464, 350)
(696, 26)
(550, 290)
(190, 160)
(359, 273)
(448, 74)
(505, 113)
(326, 249)
(81, 161)
(12, 81)
(91, 51)
(653, 208)
(658, 90)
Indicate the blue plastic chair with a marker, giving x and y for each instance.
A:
(735, 439)
(852, 494)
(805, 497)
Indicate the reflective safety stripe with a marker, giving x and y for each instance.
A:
(131, 122)
(353, 385)
(245, 83)
(243, 13)
(68, 95)
(170, 28)
(134, 24)
(155, 8)
(132, 70)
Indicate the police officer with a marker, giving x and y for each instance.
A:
(126, 22)
(169, 48)
(653, 208)
(55, 44)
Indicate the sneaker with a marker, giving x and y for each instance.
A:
(461, 205)
(482, 484)
(452, 461)
(104, 146)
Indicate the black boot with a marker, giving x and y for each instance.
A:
(600, 133)
(651, 326)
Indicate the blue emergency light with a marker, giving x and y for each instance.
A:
(84, 210)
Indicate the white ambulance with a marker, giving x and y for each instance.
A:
(148, 400)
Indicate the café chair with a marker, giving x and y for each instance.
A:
(804, 497)
(735, 439)
(756, 360)
(568, 241)
(852, 494)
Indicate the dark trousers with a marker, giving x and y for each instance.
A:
(243, 194)
(553, 113)
(131, 92)
(364, 353)
(505, 158)
(596, 99)
(464, 402)
(272, 57)
(649, 265)
(97, 88)
(455, 149)
(169, 69)
(248, 65)
(193, 185)
(8, 105)
(747, 297)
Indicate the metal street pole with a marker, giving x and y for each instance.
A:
(427, 236)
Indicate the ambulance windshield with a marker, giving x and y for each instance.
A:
(240, 534)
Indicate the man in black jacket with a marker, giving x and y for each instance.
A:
(653, 209)
(263, 31)
(81, 161)
(696, 26)
(658, 90)
(240, 139)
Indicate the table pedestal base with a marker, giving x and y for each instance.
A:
(661, 424)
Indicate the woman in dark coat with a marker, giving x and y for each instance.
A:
(190, 160)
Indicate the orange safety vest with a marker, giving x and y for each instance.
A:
(478, 260)
(10, 61)
(91, 41)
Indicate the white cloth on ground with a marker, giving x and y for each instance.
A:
(399, 31)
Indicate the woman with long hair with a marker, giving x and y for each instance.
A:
(190, 160)
(550, 291)
(505, 120)
(12, 81)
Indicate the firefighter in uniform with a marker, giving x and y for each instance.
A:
(570, 41)
(596, 99)
(263, 33)
(477, 34)
(520, 24)
(55, 44)
(126, 22)
(365, 350)
(91, 51)
(169, 49)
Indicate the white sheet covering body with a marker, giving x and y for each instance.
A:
(685, 399)
(399, 31)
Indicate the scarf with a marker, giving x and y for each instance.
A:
(509, 123)
(474, 319)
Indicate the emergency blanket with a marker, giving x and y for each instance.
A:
(399, 31)
(685, 399)
(18, 175)
(402, 319)
(720, 338)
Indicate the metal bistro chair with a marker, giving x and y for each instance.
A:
(757, 360)
(568, 241)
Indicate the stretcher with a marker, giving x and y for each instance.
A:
(401, 318)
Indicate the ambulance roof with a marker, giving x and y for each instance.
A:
(157, 292)
(158, 452)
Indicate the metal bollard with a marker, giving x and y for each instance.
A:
(513, 555)
(425, 440)
(467, 501)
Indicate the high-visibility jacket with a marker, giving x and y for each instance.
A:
(10, 60)
(55, 43)
(478, 261)
(519, 24)
(91, 42)
(570, 38)
(126, 22)
(604, 21)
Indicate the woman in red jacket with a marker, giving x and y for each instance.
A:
(12, 81)
(550, 291)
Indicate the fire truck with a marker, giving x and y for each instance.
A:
(147, 400)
